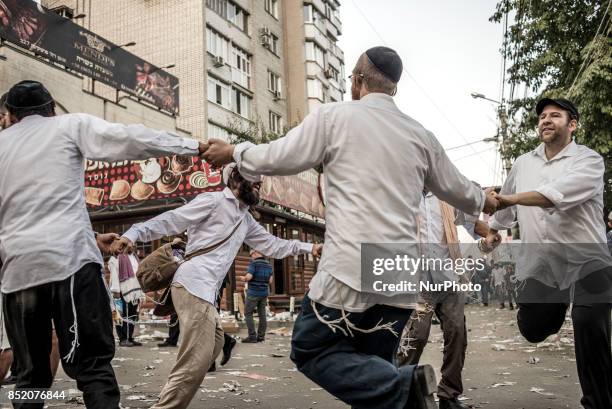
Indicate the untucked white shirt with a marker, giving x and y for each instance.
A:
(376, 162)
(208, 219)
(45, 231)
(566, 242)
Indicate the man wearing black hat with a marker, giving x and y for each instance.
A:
(376, 162)
(42, 217)
(556, 193)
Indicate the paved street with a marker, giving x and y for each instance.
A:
(502, 372)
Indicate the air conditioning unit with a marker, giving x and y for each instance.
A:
(277, 95)
(219, 61)
(328, 73)
(266, 41)
(264, 31)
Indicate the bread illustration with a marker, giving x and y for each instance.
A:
(120, 190)
(94, 196)
(142, 191)
(198, 180)
(168, 182)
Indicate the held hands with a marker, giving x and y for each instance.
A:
(317, 250)
(489, 243)
(491, 202)
(119, 245)
(105, 241)
(218, 152)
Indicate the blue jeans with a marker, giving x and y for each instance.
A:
(359, 369)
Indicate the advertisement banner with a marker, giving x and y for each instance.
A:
(108, 184)
(299, 192)
(48, 35)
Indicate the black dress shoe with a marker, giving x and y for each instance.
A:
(227, 351)
(422, 388)
(11, 380)
(249, 340)
(126, 343)
(452, 404)
(213, 367)
(166, 344)
(261, 340)
(136, 343)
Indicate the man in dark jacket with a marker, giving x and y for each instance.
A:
(259, 276)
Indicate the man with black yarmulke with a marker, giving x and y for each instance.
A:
(376, 161)
(52, 266)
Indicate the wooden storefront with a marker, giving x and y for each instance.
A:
(292, 275)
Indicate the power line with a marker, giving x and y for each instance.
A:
(591, 49)
(417, 84)
(464, 145)
(473, 154)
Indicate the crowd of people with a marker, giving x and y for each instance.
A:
(361, 347)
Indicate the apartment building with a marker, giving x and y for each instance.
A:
(243, 65)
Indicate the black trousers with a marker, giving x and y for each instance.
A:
(359, 370)
(592, 331)
(125, 331)
(174, 330)
(28, 315)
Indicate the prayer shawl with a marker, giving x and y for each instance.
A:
(128, 283)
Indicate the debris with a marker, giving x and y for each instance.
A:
(541, 391)
(282, 331)
(497, 385)
(533, 360)
(498, 347)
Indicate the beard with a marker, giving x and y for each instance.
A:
(247, 195)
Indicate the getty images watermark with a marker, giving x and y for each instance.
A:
(433, 274)
(526, 272)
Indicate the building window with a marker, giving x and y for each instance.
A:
(274, 44)
(271, 7)
(218, 6)
(308, 14)
(215, 131)
(237, 16)
(332, 73)
(315, 89)
(217, 45)
(274, 82)
(219, 93)
(241, 67)
(241, 103)
(315, 53)
(275, 122)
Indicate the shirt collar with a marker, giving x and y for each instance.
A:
(30, 118)
(379, 99)
(570, 150)
(227, 192)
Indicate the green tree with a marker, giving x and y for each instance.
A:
(561, 48)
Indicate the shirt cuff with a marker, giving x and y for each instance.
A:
(238, 151)
(305, 248)
(189, 144)
(552, 194)
(483, 196)
(131, 235)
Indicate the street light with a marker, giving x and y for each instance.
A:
(126, 45)
(477, 95)
(503, 128)
(162, 68)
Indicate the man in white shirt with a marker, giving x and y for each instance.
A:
(439, 241)
(376, 163)
(556, 193)
(52, 267)
(125, 288)
(209, 219)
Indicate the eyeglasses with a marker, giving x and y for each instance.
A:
(356, 75)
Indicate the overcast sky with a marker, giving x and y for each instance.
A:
(449, 49)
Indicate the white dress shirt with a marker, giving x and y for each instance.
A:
(376, 161)
(208, 219)
(433, 238)
(45, 231)
(561, 241)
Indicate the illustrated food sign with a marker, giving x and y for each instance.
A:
(108, 184)
(37, 29)
(299, 192)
